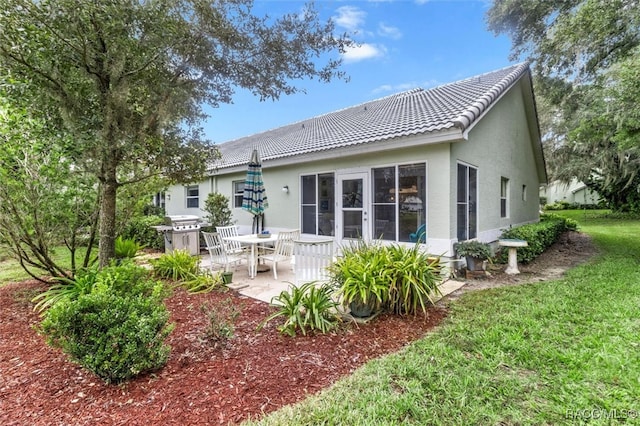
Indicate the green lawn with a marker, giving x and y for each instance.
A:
(11, 271)
(561, 352)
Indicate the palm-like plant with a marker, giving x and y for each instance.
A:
(357, 275)
(67, 289)
(413, 279)
(306, 307)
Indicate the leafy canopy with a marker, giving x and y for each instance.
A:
(585, 54)
(128, 79)
(577, 38)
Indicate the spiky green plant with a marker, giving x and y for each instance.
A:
(178, 265)
(126, 248)
(307, 307)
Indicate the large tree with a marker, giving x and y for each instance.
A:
(585, 57)
(44, 201)
(570, 38)
(128, 78)
(602, 143)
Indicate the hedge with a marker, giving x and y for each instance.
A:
(539, 236)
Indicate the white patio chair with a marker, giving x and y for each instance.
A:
(232, 247)
(218, 254)
(312, 258)
(282, 251)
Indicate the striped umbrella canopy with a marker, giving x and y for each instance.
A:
(254, 199)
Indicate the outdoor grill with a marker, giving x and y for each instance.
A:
(181, 232)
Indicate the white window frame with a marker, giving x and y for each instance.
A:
(190, 197)
(504, 197)
(470, 204)
(238, 195)
(324, 199)
(396, 203)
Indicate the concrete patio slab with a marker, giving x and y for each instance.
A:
(264, 287)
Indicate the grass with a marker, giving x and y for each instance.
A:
(11, 271)
(561, 352)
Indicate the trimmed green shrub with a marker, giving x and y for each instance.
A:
(140, 229)
(218, 211)
(118, 329)
(539, 236)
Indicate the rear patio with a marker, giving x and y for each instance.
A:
(264, 287)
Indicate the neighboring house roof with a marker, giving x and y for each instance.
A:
(453, 106)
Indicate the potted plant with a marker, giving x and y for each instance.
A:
(358, 276)
(475, 253)
(227, 277)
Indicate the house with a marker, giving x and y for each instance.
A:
(465, 159)
(575, 192)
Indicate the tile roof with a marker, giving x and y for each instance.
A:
(417, 111)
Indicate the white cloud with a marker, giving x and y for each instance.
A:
(364, 51)
(383, 89)
(389, 31)
(395, 88)
(402, 87)
(350, 17)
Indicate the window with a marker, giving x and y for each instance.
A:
(238, 193)
(399, 194)
(193, 196)
(524, 192)
(318, 202)
(504, 191)
(467, 202)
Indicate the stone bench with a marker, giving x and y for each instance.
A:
(512, 245)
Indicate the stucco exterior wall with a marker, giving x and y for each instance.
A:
(284, 208)
(500, 146)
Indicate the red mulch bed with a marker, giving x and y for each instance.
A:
(255, 372)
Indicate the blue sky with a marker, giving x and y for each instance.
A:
(404, 44)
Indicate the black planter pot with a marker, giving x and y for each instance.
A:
(474, 263)
(360, 309)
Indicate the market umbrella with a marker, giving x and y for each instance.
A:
(254, 199)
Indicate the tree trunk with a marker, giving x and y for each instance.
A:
(107, 245)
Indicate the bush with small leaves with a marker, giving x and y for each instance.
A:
(539, 236)
(116, 330)
(140, 229)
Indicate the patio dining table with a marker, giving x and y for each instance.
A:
(253, 240)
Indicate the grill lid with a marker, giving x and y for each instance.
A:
(183, 222)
